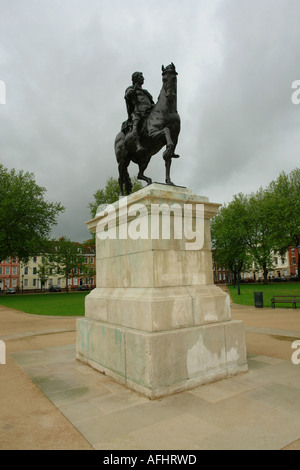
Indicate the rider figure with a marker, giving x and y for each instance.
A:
(139, 103)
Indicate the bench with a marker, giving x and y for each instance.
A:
(285, 299)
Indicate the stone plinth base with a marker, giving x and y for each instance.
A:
(161, 363)
(156, 322)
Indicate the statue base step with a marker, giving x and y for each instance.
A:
(157, 364)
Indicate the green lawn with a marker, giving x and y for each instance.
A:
(247, 292)
(71, 304)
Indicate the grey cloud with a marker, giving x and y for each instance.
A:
(67, 63)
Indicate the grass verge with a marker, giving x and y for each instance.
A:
(59, 304)
(246, 296)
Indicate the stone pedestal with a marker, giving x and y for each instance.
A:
(156, 322)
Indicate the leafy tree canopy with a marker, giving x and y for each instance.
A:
(252, 227)
(66, 258)
(26, 218)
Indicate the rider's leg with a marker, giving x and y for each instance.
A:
(135, 135)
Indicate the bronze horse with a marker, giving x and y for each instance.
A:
(160, 128)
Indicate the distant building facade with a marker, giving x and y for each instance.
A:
(9, 273)
(293, 256)
(284, 267)
(32, 276)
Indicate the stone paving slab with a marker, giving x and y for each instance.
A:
(256, 410)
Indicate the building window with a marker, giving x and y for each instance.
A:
(92, 260)
(293, 251)
(294, 260)
(14, 271)
(14, 282)
(25, 282)
(75, 281)
(14, 260)
(33, 270)
(26, 270)
(6, 282)
(1, 270)
(34, 282)
(276, 261)
(7, 272)
(34, 259)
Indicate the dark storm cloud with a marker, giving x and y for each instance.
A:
(67, 63)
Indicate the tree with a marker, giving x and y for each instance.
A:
(255, 226)
(26, 218)
(285, 218)
(43, 271)
(110, 193)
(66, 258)
(228, 229)
(259, 235)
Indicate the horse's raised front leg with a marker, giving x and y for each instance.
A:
(165, 132)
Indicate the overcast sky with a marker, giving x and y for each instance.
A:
(67, 63)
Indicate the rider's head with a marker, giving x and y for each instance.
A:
(137, 77)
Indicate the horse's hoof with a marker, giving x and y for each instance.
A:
(175, 156)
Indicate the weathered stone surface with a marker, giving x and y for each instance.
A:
(156, 322)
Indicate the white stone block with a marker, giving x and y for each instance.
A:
(156, 322)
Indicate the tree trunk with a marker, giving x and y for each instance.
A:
(265, 275)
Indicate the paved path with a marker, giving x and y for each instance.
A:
(48, 400)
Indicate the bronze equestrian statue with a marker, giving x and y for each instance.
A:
(149, 127)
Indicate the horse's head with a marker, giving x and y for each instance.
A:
(170, 81)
